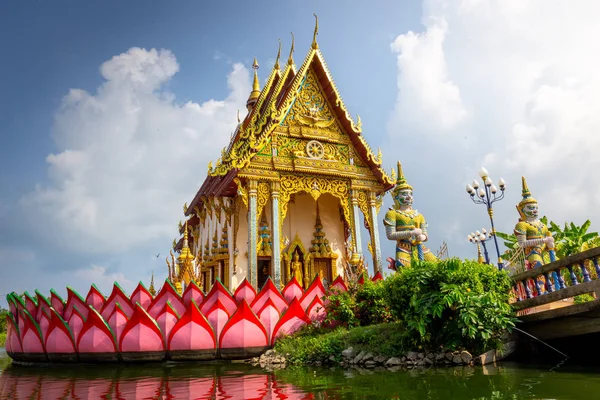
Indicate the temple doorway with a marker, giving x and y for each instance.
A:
(264, 270)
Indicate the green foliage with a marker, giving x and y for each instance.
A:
(2, 339)
(362, 305)
(452, 304)
(583, 298)
(3, 315)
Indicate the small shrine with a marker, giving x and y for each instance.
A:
(286, 195)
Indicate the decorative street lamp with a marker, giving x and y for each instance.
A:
(488, 195)
(481, 237)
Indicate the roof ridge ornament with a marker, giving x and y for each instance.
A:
(278, 55)
(291, 57)
(315, 45)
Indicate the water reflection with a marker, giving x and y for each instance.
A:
(241, 381)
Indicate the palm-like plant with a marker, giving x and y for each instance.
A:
(573, 239)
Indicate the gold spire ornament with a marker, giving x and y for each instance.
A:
(401, 183)
(278, 55)
(315, 45)
(255, 87)
(291, 56)
(151, 289)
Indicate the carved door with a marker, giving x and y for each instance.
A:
(322, 266)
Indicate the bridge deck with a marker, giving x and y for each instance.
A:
(561, 320)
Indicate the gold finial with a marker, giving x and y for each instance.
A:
(358, 122)
(174, 243)
(526, 193)
(291, 58)
(238, 117)
(185, 235)
(151, 288)
(210, 167)
(185, 207)
(278, 55)
(255, 87)
(315, 45)
(401, 183)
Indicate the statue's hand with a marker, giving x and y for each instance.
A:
(416, 232)
(421, 238)
(549, 240)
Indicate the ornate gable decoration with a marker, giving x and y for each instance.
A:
(293, 106)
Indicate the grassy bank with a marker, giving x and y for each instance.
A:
(312, 345)
(2, 339)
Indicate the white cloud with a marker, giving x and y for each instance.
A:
(512, 84)
(129, 156)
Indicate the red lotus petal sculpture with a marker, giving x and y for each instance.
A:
(59, 340)
(269, 291)
(192, 292)
(293, 290)
(244, 335)
(292, 319)
(95, 298)
(31, 339)
(117, 295)
(166, 320)
(218, 292)
(141, 295)
(96, 341)
(192, 338)
(142, 339)
(269, 316)
(167, 293)
(245, 291)
(315, 289)
(74, 300)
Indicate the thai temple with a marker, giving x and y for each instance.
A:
(275, 225)
(284, 198)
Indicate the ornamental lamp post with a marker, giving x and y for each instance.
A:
(481, 237)
(487, 194)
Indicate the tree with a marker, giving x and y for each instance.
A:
(3, 315)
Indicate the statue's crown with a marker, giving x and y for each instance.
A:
(401, 183)
(527, 197)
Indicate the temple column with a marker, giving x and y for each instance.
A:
(356, 225)
(375, 233)
(252, 234)
(276, 240)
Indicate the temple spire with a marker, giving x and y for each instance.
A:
(315, 45)
(151, 289)
(255, 87)
(291, 56)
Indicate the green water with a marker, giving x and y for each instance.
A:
(241, 381)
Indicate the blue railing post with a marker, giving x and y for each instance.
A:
(584, 271)
(573, 277)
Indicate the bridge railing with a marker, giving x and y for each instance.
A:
(546, 284)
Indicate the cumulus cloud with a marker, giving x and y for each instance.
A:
(512, 84)
(128, 156)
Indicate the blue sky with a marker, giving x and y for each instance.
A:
(443, 86)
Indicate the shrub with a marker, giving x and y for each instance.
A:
(583, 298)
(2, 339)
(362, 305)
(452, 303)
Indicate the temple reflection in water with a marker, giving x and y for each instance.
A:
(174, 382)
